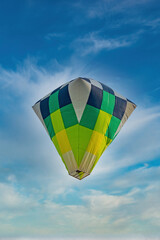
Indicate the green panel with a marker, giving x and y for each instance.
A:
(57, 121)
(113, 126)
(68, 115)
(84, 139)
(89, 117)
(53, 102)
(54, 140)
(72, 134)
(79, 138)
(49, 126)
(108, 102)
(108, 141)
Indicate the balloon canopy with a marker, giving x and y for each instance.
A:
(82, 117)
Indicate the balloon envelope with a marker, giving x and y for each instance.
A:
(82, 118)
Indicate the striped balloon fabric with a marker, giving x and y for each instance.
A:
(82, 118)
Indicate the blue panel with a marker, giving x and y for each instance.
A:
(95, 97)
(51, 93)
(120, 107)
(86, 79)
(44, 107)
(56, 90)
(63, 97)
(131, 101)
(71, 81)
(107, 89)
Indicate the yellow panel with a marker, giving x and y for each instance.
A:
(105, 144)
(97, 143)
(54, 140)
(57, 121)
(63, 141)
(102, 122)
(108, 141)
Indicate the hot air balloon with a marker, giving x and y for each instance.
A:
(82, 118)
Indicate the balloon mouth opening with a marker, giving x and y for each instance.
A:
(79, 174)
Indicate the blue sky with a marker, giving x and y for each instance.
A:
(44, 44)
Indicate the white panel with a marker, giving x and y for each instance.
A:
(129, 109)
(87, 162)
(64, 85)
(44, 97)
(76, 175)
(95, 83)
(70, 161)
(119, 95)
(79, 91)
(37, 110)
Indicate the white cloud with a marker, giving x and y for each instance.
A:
(11, 178)
(30, 149)
(13, 202)
(99, 214)
(138, 177)
(99, 202)
(32, 82)
(31, 187)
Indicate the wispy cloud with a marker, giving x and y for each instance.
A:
(93, 43)
(50, 36)
(135, 23)
(153, 23)
(99, 9)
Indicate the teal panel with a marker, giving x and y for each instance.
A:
(53, 102)
(113, 126)
(108, 102)
(89, 117)
(49, 126)
(68, 115)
